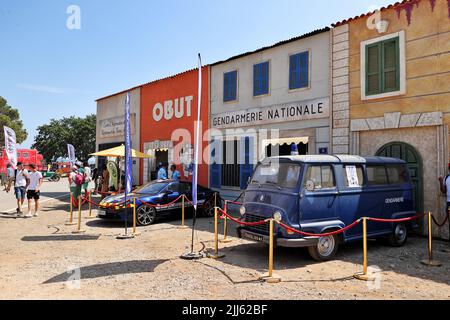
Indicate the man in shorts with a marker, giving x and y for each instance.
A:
(20, 185)
(35, 180)
(9, 177)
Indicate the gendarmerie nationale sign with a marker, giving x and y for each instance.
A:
(296, 111)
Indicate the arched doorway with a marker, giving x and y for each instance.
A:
(413, 159)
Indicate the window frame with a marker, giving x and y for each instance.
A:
(385, 172)
(237, 86)
(333, 172)
(309, 71)
(401, 70)
(269, 75)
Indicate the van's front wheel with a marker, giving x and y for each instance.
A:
(325, 249)
(399, 235)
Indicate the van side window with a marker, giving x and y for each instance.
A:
(354, 176)
(397, 174)
(322, 176)
(376, 175)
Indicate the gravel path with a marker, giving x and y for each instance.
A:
(41, 259)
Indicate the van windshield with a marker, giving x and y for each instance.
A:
(284, 175)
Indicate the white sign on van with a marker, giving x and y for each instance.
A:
(352, 177)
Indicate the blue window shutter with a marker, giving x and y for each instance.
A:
(215, 168)
(246, 166)
(265, 78)
(256, 79)
(293, 71)
(233, 85)
(304, 69)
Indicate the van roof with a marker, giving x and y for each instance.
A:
(340, 159)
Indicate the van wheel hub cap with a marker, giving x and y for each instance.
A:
(326, 245)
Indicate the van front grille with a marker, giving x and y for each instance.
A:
(264, 228)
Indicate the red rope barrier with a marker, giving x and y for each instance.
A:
(160, 205)
(307, 234)
(236, 203)
(397, 220)
(238, 221)
(440, 225)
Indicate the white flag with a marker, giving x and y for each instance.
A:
(11, 145)
(71, 154)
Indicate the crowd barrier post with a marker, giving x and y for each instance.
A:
(430, 262)
(364, 276)
(183, 212)
(270, 277)
(70, 222)
(90, 207)
(225, 226)
(216, 254)
(79, 217)
(135, 233)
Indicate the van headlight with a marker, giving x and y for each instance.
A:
(277, 216)
(242, 210)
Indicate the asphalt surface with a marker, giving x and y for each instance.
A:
(50, 190)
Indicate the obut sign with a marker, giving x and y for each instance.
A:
(177, 108)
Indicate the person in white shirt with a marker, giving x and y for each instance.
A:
(87, 177)
(20, 185)
(34, 189)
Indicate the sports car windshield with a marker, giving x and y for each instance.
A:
(152, 188)
(282, 175)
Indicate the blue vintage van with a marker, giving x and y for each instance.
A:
(322, 193)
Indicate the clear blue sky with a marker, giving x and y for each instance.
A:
(48, 71)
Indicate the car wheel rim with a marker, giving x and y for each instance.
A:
(145, 215)
(400, 233)
(326, 245)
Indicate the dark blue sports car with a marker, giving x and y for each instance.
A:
(159, 199)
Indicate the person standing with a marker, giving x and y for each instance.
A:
(87, 177)
(175, 173)
(9, 177)
(445, 187)
(162, 173)
(105, 180)
(34, 184)
(20, 184)
(95, 177)
(75, 188)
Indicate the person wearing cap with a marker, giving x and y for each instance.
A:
(20, 184)
(445, 186)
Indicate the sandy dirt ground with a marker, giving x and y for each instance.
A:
(41, 259)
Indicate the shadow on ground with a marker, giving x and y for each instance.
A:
(108, 269)
(60, 238)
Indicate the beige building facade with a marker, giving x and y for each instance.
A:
(391, 92)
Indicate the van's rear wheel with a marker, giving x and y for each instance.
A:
(325, 249)
(399, 235)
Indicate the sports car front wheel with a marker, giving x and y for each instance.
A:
(145, 216)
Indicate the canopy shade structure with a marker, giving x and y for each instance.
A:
(119, 152)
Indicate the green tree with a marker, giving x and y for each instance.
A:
(52, 138)
(10, 117)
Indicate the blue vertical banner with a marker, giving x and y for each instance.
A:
(128, 146)
(197, 134)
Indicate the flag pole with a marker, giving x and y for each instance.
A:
(196, 255)
(128, 166)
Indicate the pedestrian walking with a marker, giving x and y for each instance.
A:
(9, 177)
(445, 187)
(34, 184)
(20, 184)
(175, 173)
(105, 180)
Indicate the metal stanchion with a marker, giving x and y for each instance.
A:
(183, 210)
(270, 277)
(70, 222)
(79, 217)
(225, 226)
(135, 233)
(364, 276)
(90, 207)
(430, 262)
(216, 254)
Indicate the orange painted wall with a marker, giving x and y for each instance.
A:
(182, 85)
